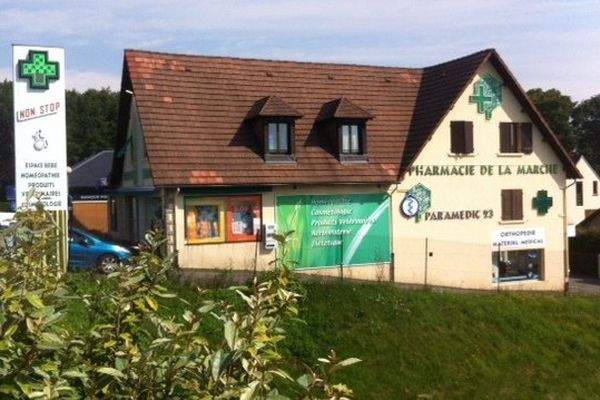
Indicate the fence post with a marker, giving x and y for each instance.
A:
(426, 261)
(393, 267)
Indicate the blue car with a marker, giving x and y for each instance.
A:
(88, 251)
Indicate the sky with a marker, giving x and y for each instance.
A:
(546, 44)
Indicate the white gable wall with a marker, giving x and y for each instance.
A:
(459, 252)
(591, 201)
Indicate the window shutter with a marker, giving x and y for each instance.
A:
(517, 204)
(505, 134)
(526, 138)
(457, 137)
(506, 205)
(579, 193)
(469, 137)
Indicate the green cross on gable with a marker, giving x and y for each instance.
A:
(487, 94)
(542, 202)
(480, 98)
(38, 69)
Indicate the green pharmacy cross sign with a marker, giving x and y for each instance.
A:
(542, 202)
(487, 94)
(38, 69)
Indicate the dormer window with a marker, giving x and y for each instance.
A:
(273, 121)
(352, 138)
(346, 125)
(278, 137)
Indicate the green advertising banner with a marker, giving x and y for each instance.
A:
(333, 230)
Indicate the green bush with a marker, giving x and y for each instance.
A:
(123, 347)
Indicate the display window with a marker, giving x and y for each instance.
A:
(224, 219)
(517, 265)
(243, 218)
(205, 220)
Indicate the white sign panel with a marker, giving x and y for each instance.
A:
(40, 127)
(518, 239)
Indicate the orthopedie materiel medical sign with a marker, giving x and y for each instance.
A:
(40, 127)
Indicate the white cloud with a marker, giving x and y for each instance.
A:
(548, 43)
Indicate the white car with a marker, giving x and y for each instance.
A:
(6, 219)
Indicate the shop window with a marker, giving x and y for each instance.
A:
(517, 265)
(516, 137)
(579, 193)
(218, 220)
(205, 220)
(243, 218)
(461, 137)
(512, 205)
(595, 188)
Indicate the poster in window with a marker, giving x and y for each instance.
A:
(243, 218)
(205, 220)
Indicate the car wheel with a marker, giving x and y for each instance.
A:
(107, 263)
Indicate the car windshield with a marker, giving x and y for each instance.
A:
(78, 233)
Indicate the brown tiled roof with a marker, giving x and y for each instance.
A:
(342, 108)
(193, 111)
(272, 106)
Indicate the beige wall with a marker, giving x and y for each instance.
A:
(454, 253)
(247, 255)
(461, 249)
(590, 201)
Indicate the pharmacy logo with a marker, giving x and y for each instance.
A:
(487, 94)
(38, 69)
(416, 202)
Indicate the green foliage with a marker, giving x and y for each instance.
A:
(453, 345)
(91, 122)
(586, 124)
(7, 167)
(124, 344)
(556, 109)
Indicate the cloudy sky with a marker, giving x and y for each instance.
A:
(547, 44)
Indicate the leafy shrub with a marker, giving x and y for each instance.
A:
(129, 350)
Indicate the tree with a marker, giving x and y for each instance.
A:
(586, 126)
(91, 122)
(556, 109)
(7, 164)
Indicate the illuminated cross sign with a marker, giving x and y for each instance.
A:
(38, 69)
(542, 202)
(487, 94)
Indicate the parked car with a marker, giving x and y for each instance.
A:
(88, 251)
(6, 219)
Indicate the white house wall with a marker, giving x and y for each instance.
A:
(459, 252)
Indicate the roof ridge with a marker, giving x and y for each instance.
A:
(489, 51)
(273, 60)
(89, 159)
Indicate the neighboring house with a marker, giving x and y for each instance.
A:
(87, 189)
(582, 194)
(445, 175)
